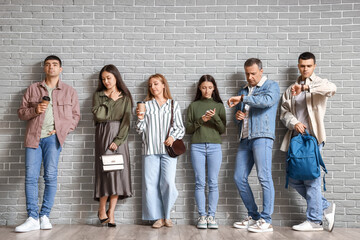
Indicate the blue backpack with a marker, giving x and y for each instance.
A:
(304, 159)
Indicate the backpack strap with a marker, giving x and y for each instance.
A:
(287, 169)
(321, 163)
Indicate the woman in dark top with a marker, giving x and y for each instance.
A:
(206, 121)
(112, 104)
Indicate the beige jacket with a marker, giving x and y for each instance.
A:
(320, 90)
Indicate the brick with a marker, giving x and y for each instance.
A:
(182, 39)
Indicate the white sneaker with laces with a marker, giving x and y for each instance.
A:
(45, 223)
(248, 221)
(329, 217)
(29, 225)
(308, 226)
(261, 226)
(201, 223)
(211, 223)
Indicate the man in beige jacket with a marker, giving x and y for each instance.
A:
(303, 107)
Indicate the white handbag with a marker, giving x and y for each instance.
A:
(112, 162)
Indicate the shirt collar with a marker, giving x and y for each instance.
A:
(59, 84)
(168, 101)
(260, 83)
(311, 78)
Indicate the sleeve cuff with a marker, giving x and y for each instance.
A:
(216, 118)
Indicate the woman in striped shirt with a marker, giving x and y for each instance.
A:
(159, 190)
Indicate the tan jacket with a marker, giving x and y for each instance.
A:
(320, 90)
(66, 111)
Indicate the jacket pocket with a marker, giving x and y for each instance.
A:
(65, 107)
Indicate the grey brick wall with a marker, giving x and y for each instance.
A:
(181, 39)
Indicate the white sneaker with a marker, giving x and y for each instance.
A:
(29, 225)
(45, 223)
(261, 226)
(211, 223)
(308, 226)
(329, 217)
(201, 223)
(248, 221)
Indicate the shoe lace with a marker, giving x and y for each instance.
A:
(260, 222)
(211, 219)
(247, 219)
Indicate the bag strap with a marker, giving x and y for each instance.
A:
(321, 163)
(172, 118)
(287, 166)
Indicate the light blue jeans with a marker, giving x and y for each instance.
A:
(311, 191)
(210, 155)
(159, 192)
(48, 151)
(256, 151)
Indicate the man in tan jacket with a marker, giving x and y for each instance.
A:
(303, 107)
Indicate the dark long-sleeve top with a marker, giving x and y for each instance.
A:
(106, 109)
(205, 132)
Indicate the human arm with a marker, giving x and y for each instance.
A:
(323, 87)
(178, 129)
(28, 106)
(191, 123)
(124, 123)
(317, 86)
(75, 111)
(264, 98)
(101, 107)
(219, 119)
(286, 115)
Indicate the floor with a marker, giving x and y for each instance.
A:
(178, 232)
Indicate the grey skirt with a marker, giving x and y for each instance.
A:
(114, 182)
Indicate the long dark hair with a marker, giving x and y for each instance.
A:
(215, 95)
(119, 82)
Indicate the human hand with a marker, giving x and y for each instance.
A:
(208, 115)
(300, 128)
(233, 101)
(169, 141)
(41, 108)
(139, 114)
(240, 115)
(113, 146)
(296, 89)
(52, 132)
(115, 95)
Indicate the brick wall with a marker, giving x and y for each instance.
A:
(181, 39)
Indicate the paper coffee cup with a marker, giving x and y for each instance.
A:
(46, 99)
(141, 107)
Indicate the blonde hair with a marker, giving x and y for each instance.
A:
(166, 92)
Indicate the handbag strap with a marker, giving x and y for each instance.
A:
(172, 118)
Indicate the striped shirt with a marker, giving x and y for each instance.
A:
(155, 125)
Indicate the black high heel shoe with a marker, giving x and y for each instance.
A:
(109, 223)
(103, 221)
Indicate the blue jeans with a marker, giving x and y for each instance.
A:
(209, 154)
(48, 151)
(311, 191)
(256, 151)
(159, 192)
